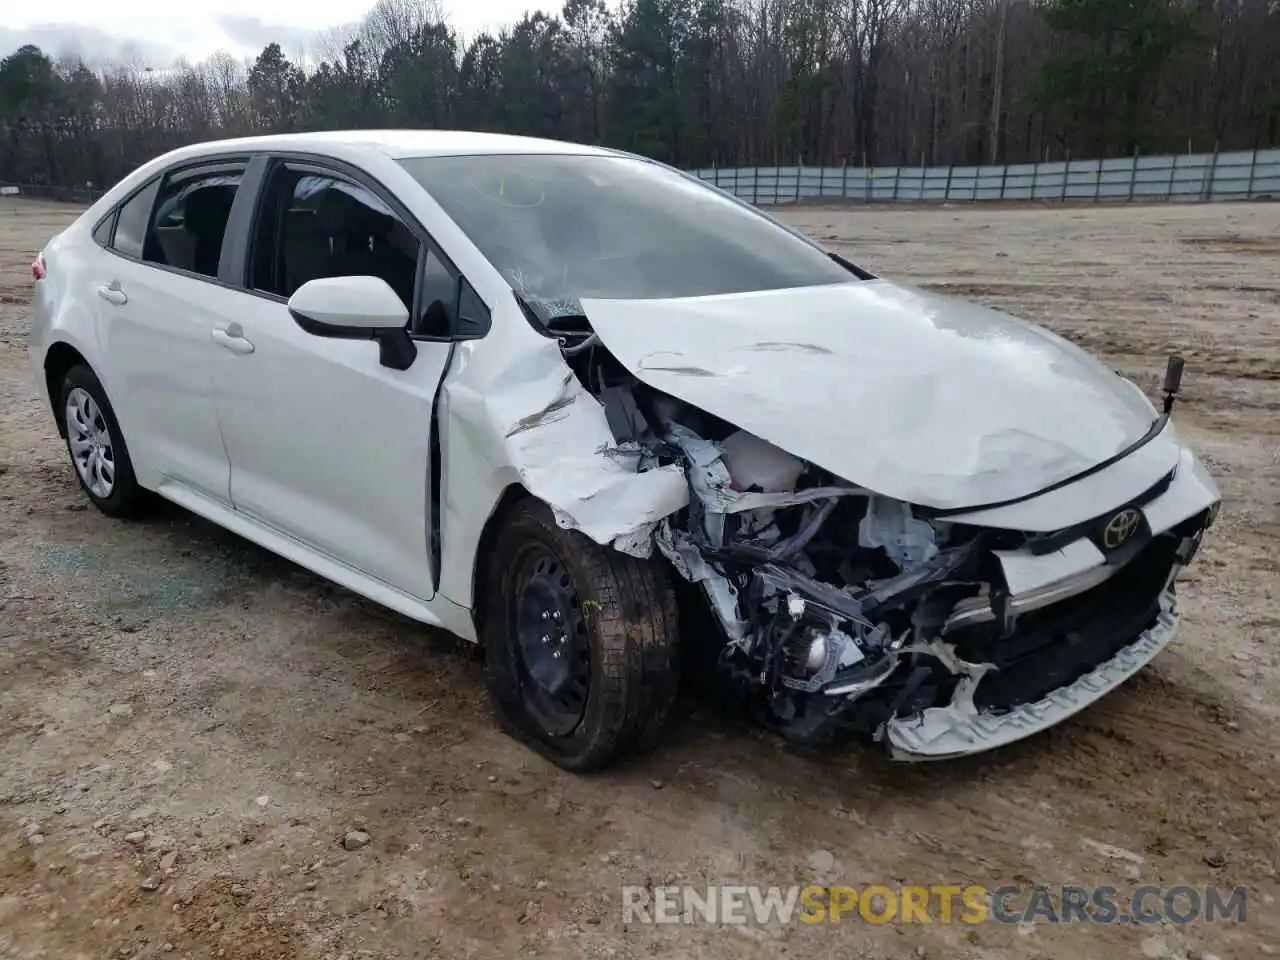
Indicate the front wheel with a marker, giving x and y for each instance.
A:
(580, 642)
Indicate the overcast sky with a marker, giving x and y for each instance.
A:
(152, 33)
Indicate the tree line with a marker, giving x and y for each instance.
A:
(700, 83)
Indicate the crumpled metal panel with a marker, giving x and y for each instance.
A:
(556, 436)
(925, 399)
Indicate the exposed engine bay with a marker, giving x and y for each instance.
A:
(838, 610)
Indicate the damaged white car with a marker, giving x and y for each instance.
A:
(606, 420)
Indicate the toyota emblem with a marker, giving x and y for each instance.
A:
(1120, 528)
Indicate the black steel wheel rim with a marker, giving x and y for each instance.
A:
(553, 653)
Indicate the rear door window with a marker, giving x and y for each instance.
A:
(190, 219)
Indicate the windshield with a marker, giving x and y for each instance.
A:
(562, 227)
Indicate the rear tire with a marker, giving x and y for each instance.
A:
(580, 642)
(95, 443)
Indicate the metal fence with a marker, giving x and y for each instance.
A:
(1238, 175)
(45, 191)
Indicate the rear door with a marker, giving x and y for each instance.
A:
(160, 298)
(327, 445)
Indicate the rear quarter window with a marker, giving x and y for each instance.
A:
(132, 220)
(102, 232)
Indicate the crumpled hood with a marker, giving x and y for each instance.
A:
(924, 398)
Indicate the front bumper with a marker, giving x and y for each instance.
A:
(1093, 599)
(961, 728)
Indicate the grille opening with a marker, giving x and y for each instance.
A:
(1058, 644)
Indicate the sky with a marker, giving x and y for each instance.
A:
(150, 33)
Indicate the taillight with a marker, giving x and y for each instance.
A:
(38, 269)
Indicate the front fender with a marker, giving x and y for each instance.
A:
(514, 413)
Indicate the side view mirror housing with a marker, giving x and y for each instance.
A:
(356, 308)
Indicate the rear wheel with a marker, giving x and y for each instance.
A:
(580, 642)
(97, 447)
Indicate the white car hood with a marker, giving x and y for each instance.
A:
(928, 399)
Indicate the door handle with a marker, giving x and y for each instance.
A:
(113, 294)
(232, 337)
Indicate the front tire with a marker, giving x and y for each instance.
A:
(580, 642)
(96, 445)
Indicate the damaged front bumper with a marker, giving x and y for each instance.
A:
(960, 728)
(979, 639)
(837, 610)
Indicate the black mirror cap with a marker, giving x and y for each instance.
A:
(318, 329)
(396, 348)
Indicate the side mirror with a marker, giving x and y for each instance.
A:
(356, 308)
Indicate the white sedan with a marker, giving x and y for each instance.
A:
(608, 421)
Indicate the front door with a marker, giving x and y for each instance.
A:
(327, 445)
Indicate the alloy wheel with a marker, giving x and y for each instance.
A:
(90, 441)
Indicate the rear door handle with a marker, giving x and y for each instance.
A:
(113, 294)
(232, 337)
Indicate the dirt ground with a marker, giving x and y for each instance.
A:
(183, 711)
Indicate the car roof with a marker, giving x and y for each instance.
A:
(397, 144)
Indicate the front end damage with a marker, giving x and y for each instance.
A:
(840, 611)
